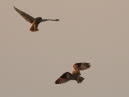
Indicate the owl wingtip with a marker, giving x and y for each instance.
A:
(56, 82)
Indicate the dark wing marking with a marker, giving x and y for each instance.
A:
(64, 78)
(61, 80)
(26, 16)
(81, 66)
(65, 75)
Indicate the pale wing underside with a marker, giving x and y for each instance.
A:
(26, 16)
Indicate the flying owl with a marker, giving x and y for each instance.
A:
(34, 21)
(67, 76)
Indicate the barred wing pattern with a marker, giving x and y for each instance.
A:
(64, 78)
(81, 66)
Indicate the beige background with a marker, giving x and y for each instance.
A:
(95, 31)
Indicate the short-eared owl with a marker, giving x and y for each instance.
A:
(34, 21)
(67, 76)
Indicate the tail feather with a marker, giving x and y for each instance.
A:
(80, 79)
(34, 28)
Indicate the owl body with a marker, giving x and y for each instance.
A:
(34, 21)
(35, 24)
(67, 77)
(75, 74)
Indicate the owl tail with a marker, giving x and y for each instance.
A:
(34, 28)
(80, 79)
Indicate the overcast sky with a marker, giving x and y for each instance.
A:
(94, 31)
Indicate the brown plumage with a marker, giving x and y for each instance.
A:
(67, 76)
(81, 66)
(34, 21)
(75, 74)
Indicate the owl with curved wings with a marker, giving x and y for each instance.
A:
(34, 21)
(67, 76)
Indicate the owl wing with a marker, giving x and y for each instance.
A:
(26, 16)
(43, 20)
(81, 66)
(64, 78)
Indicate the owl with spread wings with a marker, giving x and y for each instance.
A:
(67, 76)
(34, 21)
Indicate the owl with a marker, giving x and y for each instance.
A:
(67, 76)
(34, 21)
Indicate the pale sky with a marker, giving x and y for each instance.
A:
(94, 31)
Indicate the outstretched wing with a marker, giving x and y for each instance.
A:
(64, 78)
(43, 20)
(81, 66)
(26, 16)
